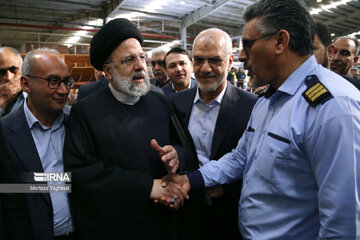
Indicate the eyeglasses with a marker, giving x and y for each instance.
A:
(130, 60)
(54, 82)
(248, 43)
(159, 62)
(12, 69)
(214, 61)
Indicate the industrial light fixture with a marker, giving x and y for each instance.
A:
(329, 6)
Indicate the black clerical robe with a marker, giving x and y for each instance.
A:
(107, 149)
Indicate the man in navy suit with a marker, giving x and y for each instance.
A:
(216, 114)
(34, 137)
(88, 89)
(178, 68)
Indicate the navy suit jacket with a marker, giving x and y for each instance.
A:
(235, 110)
(91, 88)
(168, 90)
(26, 216)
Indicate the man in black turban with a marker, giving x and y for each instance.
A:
(111, 150)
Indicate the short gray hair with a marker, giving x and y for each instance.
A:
(16, 52)
(28, 64)
(160, 50)
(228, 41)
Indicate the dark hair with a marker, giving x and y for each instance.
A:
(177, 50)
(323, 33)
(291, 15)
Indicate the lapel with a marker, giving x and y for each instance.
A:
(188, 101)
(225, 119)
(20, 139)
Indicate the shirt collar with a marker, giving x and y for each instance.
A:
(218, 98)
(172, 85)
(294, 81)
(24, 95)
(32, 120)
(123, 98)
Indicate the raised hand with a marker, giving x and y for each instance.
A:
(168, 156)
(8, 90)
(172, 195)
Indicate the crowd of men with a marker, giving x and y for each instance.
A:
(177, 157)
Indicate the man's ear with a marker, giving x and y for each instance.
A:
(25, 83)
(331, 50)
(282, 41)
(107, 71)
(355, 60)
(231, 59)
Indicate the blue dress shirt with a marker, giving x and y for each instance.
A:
(297, 162)
(202, 124)
(49, 144)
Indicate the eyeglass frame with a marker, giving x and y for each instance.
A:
(123, 60)
(159, 62)
(65, 80)
(210, 60)
(247, 46)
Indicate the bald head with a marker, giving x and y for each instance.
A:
(343, 54)
(222, 39)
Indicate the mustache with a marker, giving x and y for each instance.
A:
(140, 74)
(206, 75)
(158, 72)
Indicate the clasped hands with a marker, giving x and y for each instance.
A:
(172, 189)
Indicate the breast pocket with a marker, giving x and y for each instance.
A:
(249, 135)
(273, 156)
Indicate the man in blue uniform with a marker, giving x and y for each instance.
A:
(298, 153)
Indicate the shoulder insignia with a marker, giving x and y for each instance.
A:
(316, 93)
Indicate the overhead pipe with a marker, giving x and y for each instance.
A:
(81, 29)
(47, 27)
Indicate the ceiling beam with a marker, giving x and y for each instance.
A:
(43, 33)
(342, 18)
(113, 7)
(149, 15)
(202, 13)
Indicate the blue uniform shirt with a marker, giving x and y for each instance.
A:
(297, 162)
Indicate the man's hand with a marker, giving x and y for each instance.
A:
(181, 180)
(168, 156)
(8, 90)
(172, 195)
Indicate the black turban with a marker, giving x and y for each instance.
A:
(109, 37)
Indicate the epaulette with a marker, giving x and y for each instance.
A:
(316, 92)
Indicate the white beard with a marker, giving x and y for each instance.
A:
(127, 86)
(213, 86)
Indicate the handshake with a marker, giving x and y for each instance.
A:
(171, 190)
